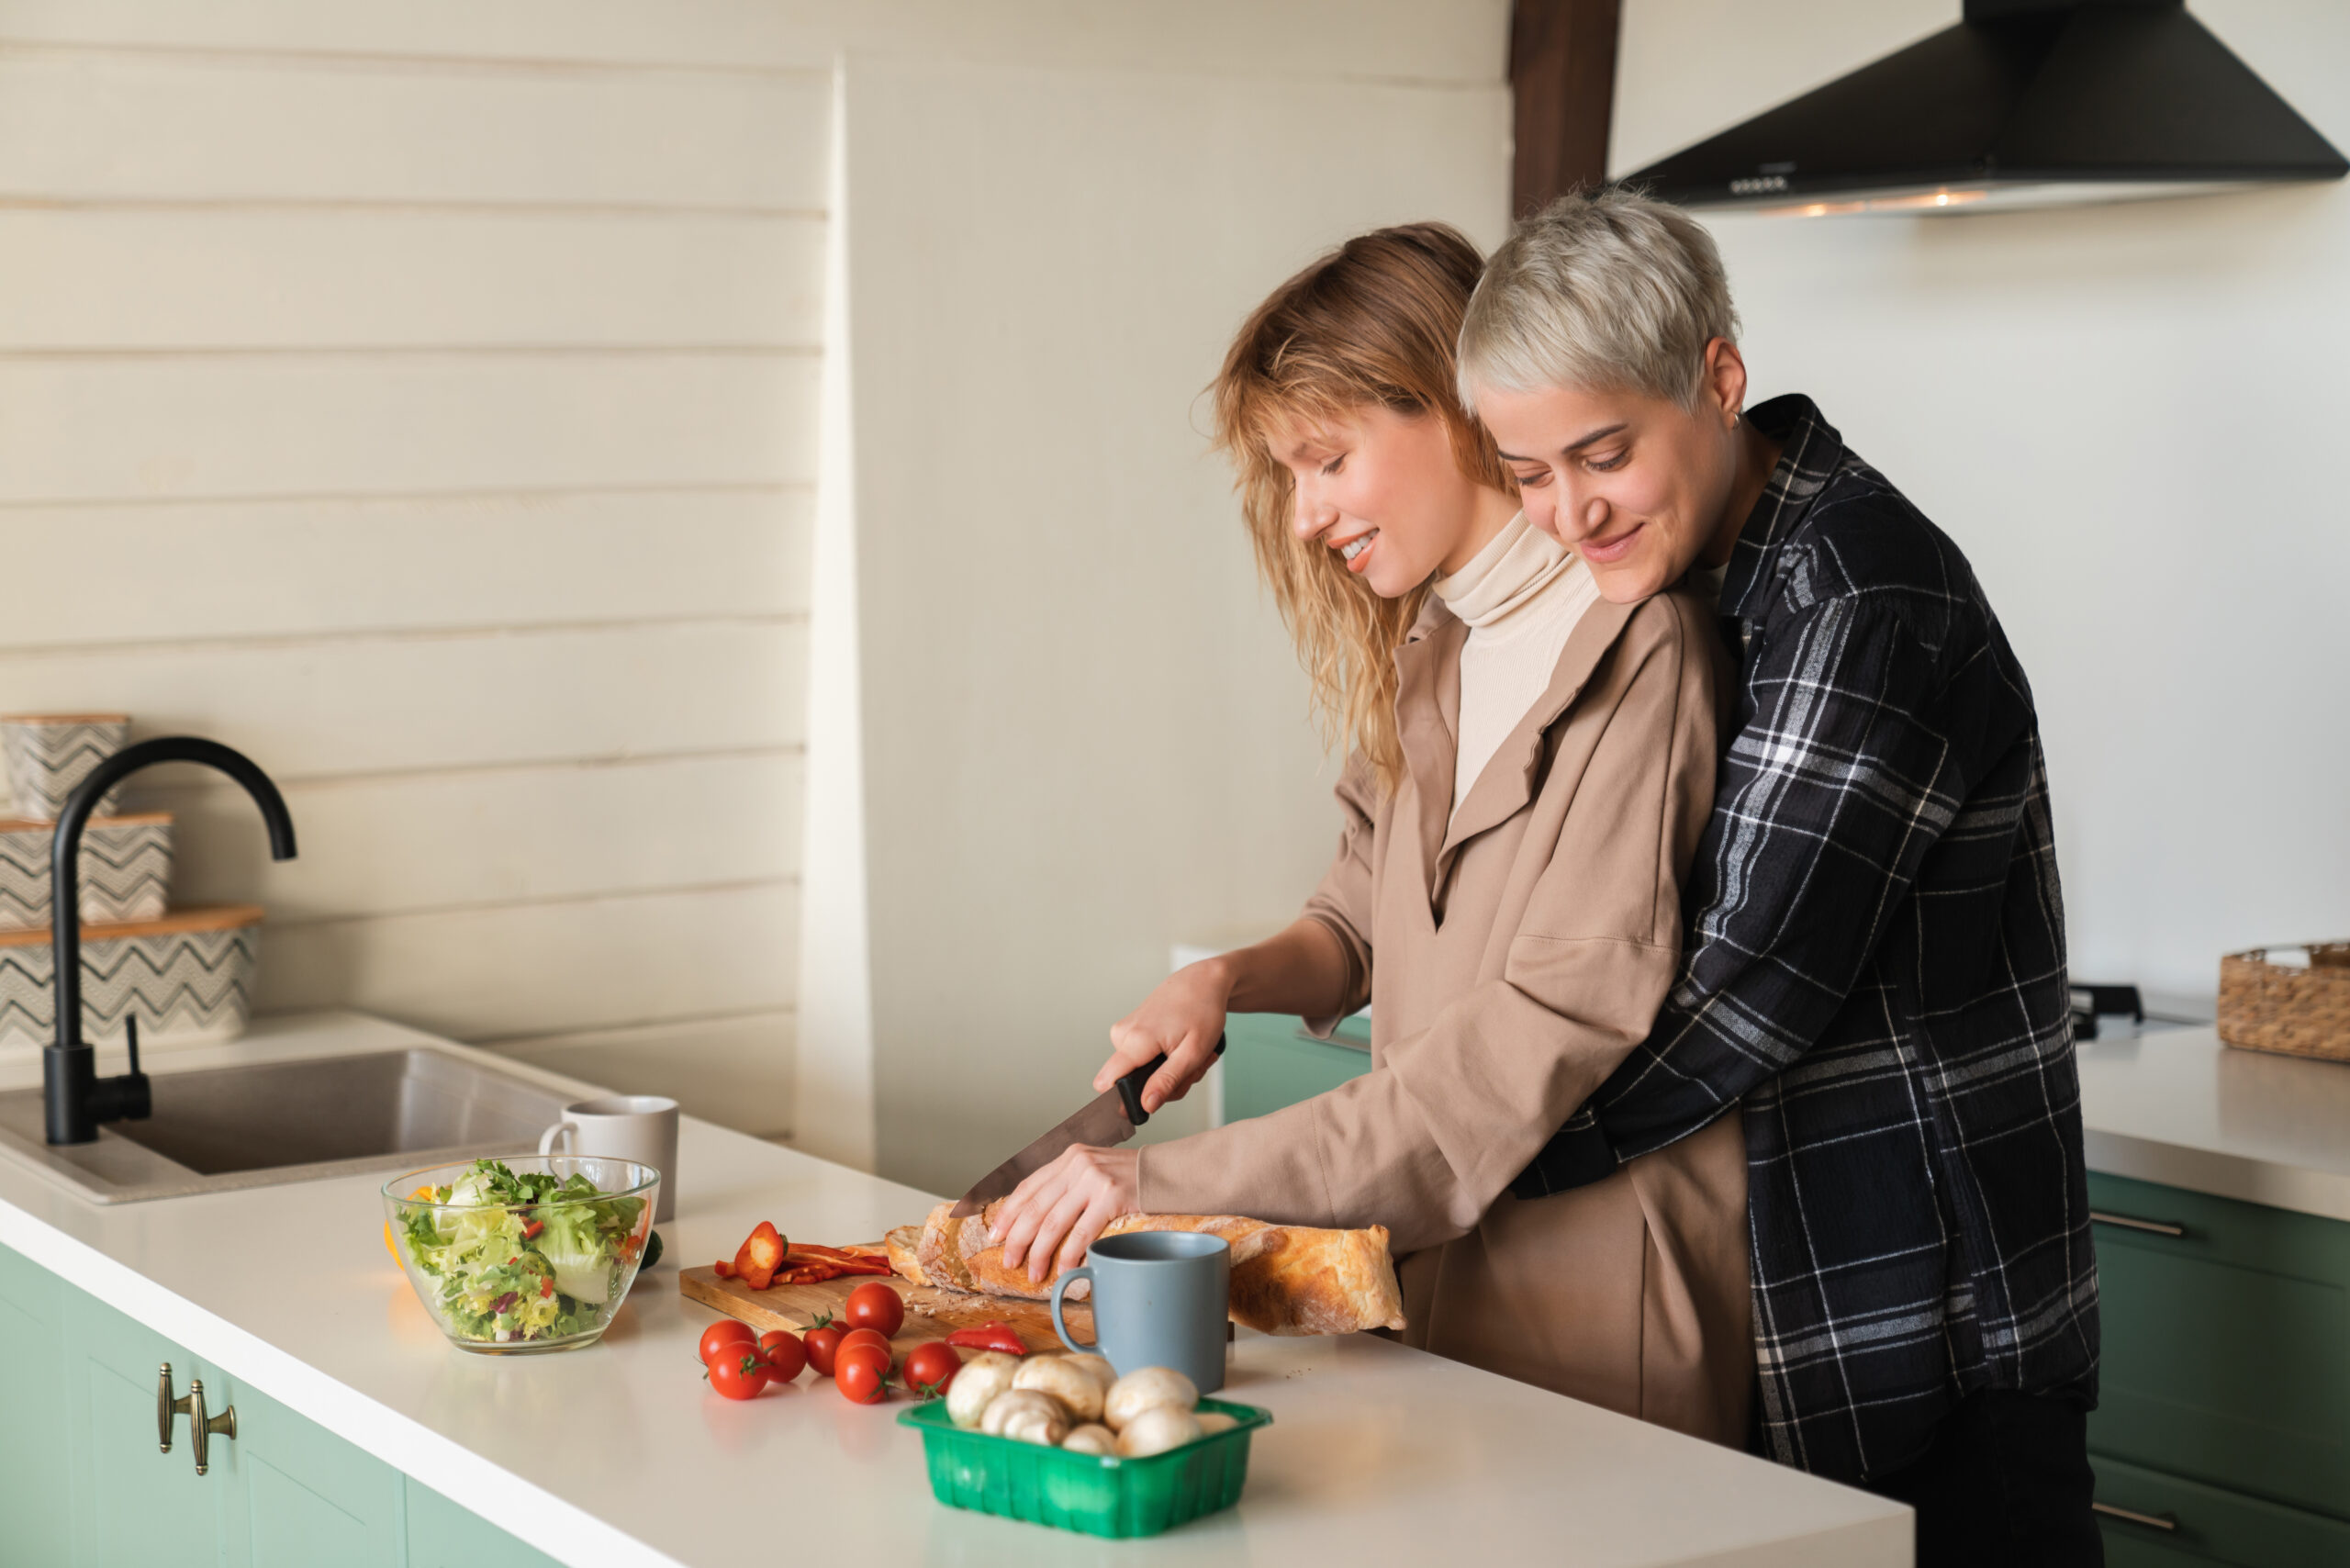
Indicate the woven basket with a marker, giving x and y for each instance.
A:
(2297, 1010)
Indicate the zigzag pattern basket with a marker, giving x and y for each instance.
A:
(187, 976)
(48, 754)
(125, 870)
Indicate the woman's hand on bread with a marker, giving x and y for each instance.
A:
(1054, 1215)
(1182, 1019)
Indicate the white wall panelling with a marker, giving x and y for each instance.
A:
(379, 844)
(373, 422)
(398, 702)
(296, 278)
(526, 969)
(440, 429)
(2126, 415)
(324, 564)
(449, 133)
(1429, 40)
(713, 1067)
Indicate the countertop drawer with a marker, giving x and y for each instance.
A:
(2179, 1521)
(2226, 1342)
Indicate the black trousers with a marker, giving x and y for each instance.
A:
(2006, 1483)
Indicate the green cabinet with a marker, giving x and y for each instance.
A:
(84, 1480)
(1270, 1061)
(32, 1414)
(2223, 1406)
(2158, 1520)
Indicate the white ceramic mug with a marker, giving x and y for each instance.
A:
(642, 1127)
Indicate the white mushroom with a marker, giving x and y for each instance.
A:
(976, 1383)
(1157, 1429)
(1092, 1438)
(1012, 1401)
(1144, 1387)
(1096, 1367)
(1073, 1386)
(1214, 1421)
(1026, 1415)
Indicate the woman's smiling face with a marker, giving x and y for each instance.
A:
(1384, 490)
(1638, 487)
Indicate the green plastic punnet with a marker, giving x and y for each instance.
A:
(1098, 1495)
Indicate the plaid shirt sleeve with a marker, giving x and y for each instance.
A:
(1833, 791)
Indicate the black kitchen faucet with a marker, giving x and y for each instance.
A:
(75, 1098)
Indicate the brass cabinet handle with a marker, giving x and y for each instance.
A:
(2167, 1523)
(202, 1428)
(166, 1406)
(2150, 1227)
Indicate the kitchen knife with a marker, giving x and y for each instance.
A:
(1109, 1118)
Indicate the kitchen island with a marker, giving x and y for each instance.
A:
(617, 1455)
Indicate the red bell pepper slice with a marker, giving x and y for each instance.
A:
(722, 1269)
(762, 1254)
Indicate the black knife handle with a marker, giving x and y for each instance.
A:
(1130, 1086)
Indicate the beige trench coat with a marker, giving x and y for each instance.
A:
(1513, 957)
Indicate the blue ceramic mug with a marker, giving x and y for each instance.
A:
(1160, 1299)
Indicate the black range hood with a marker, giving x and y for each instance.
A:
(2024, 102)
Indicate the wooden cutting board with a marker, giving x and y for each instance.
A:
(931, 1313)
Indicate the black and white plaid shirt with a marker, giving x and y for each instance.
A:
(1876, 965)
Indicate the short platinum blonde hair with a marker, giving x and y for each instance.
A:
(1605, 290)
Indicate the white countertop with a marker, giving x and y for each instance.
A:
(1378, 1453)
(2180, 1108)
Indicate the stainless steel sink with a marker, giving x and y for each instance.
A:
(291, 1121)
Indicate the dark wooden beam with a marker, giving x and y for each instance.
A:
(1562, 75)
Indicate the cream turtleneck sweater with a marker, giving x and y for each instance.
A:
(1520, 598)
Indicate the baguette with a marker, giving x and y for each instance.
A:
(902, 1246)
(1286, 1279)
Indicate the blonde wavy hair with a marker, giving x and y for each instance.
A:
(1374, 323)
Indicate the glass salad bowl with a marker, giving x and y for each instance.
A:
(522, 1254)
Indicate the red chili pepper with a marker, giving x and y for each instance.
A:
(989, 1337)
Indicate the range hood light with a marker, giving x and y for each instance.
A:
(2023, 102)
(1944, 200)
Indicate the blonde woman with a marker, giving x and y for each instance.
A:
(1530, 767)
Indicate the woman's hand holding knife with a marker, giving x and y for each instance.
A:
(1061, 1208)
(1055, 1214)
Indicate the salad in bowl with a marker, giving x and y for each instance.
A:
(529, 1253)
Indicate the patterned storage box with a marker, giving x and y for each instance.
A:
(188, 976)
(48, 754)
(125, 870)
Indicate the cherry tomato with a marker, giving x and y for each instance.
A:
(784, 1354)
(819, 1344)
(862, 1337)
(739, 1374)
(930, 1368)
(876, 1356)
(877, 1307)
(859, 1381)
(724, 1332)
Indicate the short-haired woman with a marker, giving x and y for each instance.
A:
(1530, 767)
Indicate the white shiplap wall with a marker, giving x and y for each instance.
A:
(425, 405)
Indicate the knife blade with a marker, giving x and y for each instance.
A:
(1105, 1121)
